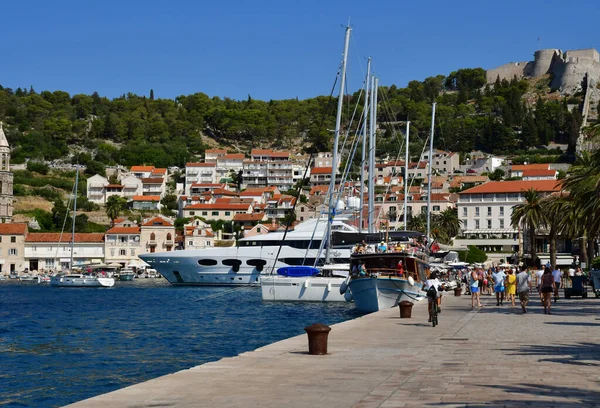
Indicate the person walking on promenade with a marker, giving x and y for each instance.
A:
(547, 289)
(557, 275)
(538, 275)
(474, 285)
(523, 287)
(511, 286)
(499, 278)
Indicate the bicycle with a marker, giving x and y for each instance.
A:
(434, 313)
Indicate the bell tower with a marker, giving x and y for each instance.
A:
(6, 179)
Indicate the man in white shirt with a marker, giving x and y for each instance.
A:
(433, 281)
(557, 274)
(538, 276)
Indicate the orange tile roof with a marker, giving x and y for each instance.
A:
(514, 186)
(535, 166)
(318, 189)
(152, 180)
(235, 156)
(320, 170)
(119, 220)
(159, 171)
(123, 230)
(280, 154)
(249, 217)
(157, 220)
(13, 229)
(222, 191)
(113, 186)
(141, 168)
(538, 173)
(55, 237)
(261, 152)
(218, 206)
(146, 198)
(200, 165)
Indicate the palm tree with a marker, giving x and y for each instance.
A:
(554, 206)
(583, 184)
(448, 222)
(114, 206)
(417, 223)
(530, 214)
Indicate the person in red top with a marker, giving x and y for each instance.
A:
(400, 269)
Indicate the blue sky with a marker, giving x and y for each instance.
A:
(271, 49)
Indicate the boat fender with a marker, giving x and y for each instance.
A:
(328, 286)
(411, 281)
(344, 286)
(306, 283)
(348, 297)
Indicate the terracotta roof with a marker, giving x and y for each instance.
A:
(159, 171)
(152, 180)
(146, 198)
(113, 186)
(280, 154)
(55, 237)
(538, 173)
(249, 217)
(13, 229)
(200, 165)
(222, 191)
(218, 206)
(215, 151)
(157, 222)
(514, 186)
(234, 156)
(261, 152)
(535, 166)
(320, 170)
(119, 220)
(318, 189)
(123, 230)
(141, 168)
(254, 191)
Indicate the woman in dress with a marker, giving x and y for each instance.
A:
(547, 289)
(511, 287)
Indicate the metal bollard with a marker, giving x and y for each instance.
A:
(317, 338)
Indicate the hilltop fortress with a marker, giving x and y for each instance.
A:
(569, 70)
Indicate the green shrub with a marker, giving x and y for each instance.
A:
(38, 167)
(47, 193)
(475, 255)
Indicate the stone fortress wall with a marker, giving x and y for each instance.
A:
(569, 69)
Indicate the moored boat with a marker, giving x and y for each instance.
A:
(81, 281)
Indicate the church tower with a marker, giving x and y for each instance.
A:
(6, 180)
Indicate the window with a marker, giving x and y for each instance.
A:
(301, 209)
(476, 211)
(465, 223)
(476, 224)
(501, 211)
(207, 262)
(227, 213)
(12, 251)
(192, 212)
(215, 213)
(153, 237)
(0, 238)
(112, 252)
(190, 243)
(204, 212)
(132, 252)
(169, 237)
(489, 211)
(489, 222)
(122, 252)
(436, 208)
(464, 211)
(50, 263)
(13, 239)
(501, 223)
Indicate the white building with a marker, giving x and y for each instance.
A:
(486, 210)
(230, 162)
(50, 251)
(154, 187)
(199, 173)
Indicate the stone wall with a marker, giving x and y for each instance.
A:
(543, 61)
(509, 71)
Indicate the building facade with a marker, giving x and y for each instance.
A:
(6, 180)
(12, 247)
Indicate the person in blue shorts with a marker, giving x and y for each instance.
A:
(499, 277)
(474, 277)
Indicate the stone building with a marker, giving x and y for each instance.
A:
(6, 180)
(12, 244)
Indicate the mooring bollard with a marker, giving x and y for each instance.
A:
(405, 309)
(317, 338)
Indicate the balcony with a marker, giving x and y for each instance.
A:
(152, 243)
(169, 242)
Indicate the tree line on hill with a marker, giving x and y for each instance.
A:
(133, 129)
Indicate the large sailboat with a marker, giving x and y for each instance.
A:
(76, 280)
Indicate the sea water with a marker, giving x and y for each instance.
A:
(62, 345)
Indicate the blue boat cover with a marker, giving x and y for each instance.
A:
(297, 271)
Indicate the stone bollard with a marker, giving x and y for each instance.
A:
(317, 338)
(405, 309)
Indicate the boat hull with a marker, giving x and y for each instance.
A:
(372, 294)
(81, 282)
(126, 277)
(301, 289)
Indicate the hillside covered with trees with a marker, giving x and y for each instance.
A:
(505, 117)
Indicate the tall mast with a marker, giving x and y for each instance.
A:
(74, 213)
(406, 173)
(338, 124)
(364, 146)
(429, 176)
(372, 156)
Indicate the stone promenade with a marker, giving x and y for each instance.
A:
(494, 356)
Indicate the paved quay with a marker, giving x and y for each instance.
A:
(494, 356)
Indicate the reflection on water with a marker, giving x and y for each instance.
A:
(61, 345)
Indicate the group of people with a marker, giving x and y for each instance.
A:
(412, 245)
(506, 283)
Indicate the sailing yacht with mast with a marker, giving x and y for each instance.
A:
(78, 280)
(381, 280)
(309, 283)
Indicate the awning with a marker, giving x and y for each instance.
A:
(491, 231)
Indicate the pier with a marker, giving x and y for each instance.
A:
(493, 356)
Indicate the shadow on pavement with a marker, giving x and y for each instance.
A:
(584, 354)
(529, 395)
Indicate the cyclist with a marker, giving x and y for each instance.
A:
(433, 287)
